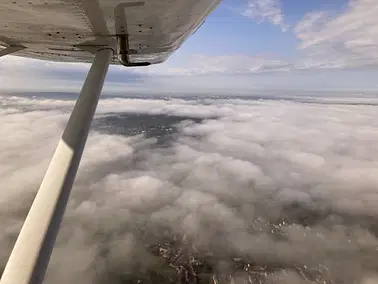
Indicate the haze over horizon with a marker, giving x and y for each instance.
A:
(244, 46)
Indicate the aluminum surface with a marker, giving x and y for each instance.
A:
(66, 30)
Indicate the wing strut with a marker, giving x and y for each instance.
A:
(31, 253)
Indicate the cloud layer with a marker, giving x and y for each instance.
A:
(287, 184)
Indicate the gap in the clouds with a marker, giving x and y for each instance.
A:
(161, 127)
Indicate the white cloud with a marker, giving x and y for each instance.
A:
(348, 40)
(266, 10)
(286, 183)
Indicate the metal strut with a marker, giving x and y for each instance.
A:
(30, 256)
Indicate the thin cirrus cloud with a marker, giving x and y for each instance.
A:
(344, 41)
(266, 10)
(348, 40)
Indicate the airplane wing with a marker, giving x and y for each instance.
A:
(147, 31)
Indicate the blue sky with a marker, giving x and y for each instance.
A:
(245, 46)
(229, 29)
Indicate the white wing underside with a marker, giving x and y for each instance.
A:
(68, 30)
